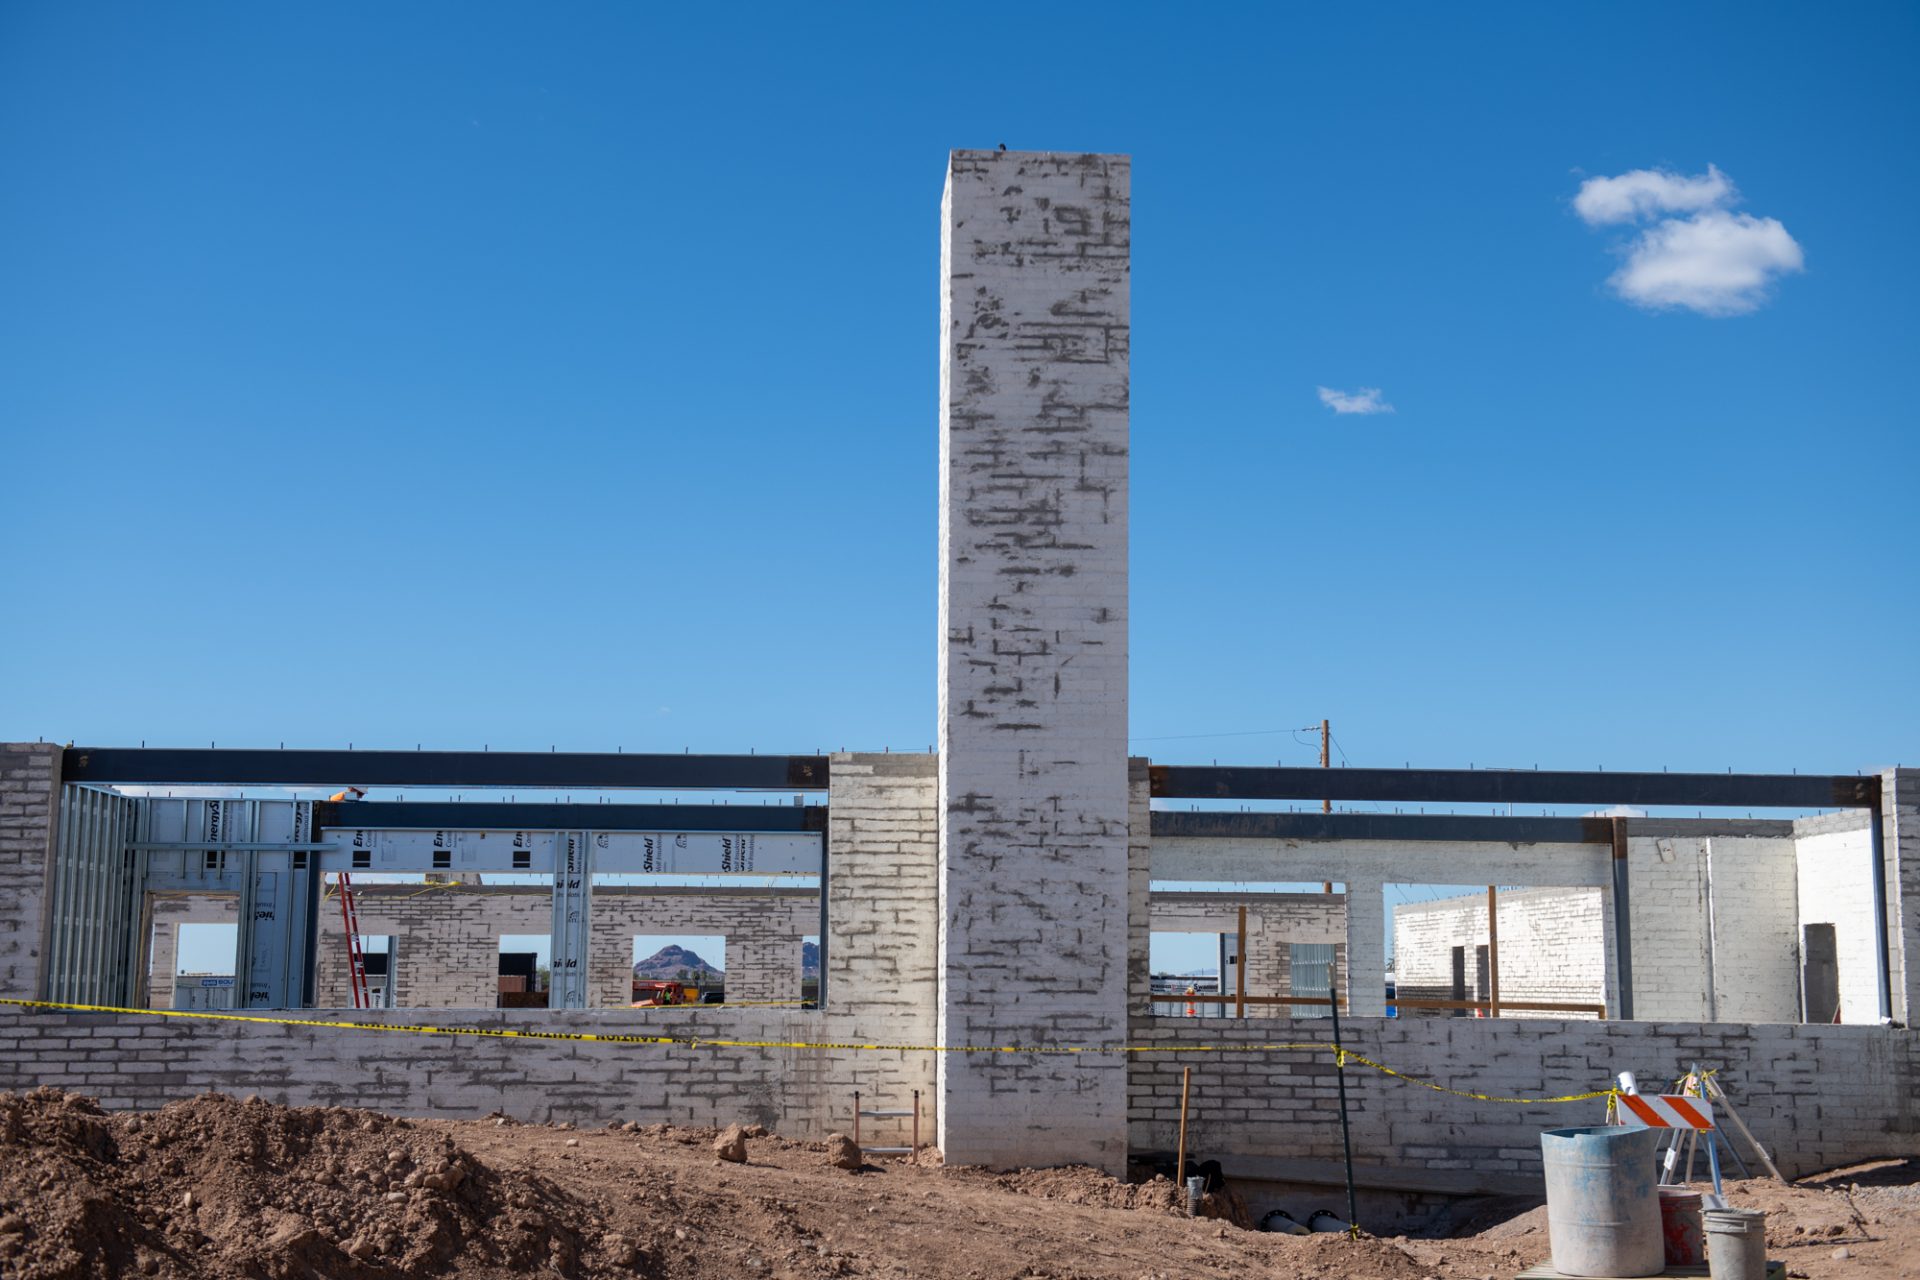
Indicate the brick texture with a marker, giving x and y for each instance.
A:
(1033, 651)
(29, 789)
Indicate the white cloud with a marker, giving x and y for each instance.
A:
(1717, 263)
(1633, 196)
(1712, 260)
(1365, 400)
(1617, 811)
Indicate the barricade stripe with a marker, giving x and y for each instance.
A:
(1646, 1113)
(1341, 1055)
(1688, 1115)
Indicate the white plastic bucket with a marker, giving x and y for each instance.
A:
(1736, 1244)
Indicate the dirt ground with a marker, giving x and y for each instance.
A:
(216, 1188)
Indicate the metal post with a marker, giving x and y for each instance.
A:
(1493, 951)
(856, 1117)
(820, 947)
(1240, 968)
(1622, 921)
(1883, 972)
(571, 932)
(1340, 1075)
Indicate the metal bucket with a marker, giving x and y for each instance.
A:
(1680, 1229)
(1736, 1244)
(1603, 1215)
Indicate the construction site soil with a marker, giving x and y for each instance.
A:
(216, 1188)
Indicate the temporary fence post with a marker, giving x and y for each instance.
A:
(916, 1124)
(856, 1117)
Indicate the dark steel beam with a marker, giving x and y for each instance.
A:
(1502, 786)
(545, 770)
(1451, 828)
(471, 816)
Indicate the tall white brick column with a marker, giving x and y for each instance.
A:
(1033, 655)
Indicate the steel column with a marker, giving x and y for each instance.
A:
(1882, 945)
(568, 942)
(1622, 922)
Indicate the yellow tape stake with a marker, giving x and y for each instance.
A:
(1341, 1055)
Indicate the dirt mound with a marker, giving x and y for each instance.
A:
(1077, 1184)
(216, 1187)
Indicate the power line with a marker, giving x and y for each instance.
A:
(1247, 733)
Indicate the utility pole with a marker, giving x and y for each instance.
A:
(1326, 758)
(1326, 762)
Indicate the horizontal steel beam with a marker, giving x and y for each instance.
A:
(545, 770)
(1451, 828)
(1502, 786)
(381, 815)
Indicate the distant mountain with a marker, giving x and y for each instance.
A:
(809, 960)
(669, 961)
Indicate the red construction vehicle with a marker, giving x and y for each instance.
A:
(657, 994)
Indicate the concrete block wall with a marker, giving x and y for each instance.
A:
(1819, 1097)
(1033, 651)
(447, 939)
(1834, 872)
(883, 928)
(1552, 948)
(29, 795)
(1366, 867)
(133, 1062)
(1755, 930)
(1275, 922)
(1900, 809)
(170, 911)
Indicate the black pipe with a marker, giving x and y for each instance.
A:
(1340, 1075)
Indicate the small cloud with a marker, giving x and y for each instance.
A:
(1617, 811)
(1719, 264)
(1635, 195)
(1712, 260)
(1365, 400)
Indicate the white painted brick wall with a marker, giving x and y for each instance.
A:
(1818, 1096)
(1552, 947)
(1667, 877)
(1756, 930)
(1365, 867)
(1901, 830)
(1275, 922)
(1033, 652)
(1835, 873)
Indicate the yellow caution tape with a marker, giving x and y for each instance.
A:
(1341, 1055)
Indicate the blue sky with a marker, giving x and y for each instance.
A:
(487, 373)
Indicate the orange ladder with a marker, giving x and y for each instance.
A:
(356, 957)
